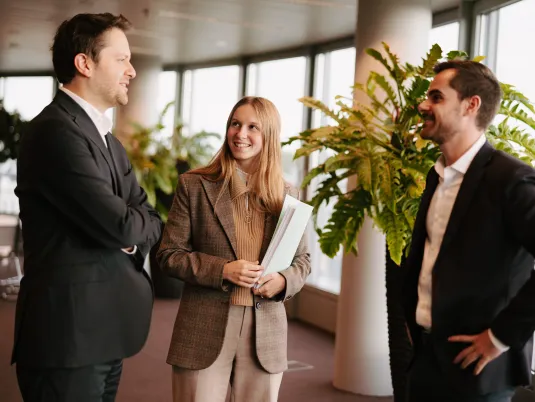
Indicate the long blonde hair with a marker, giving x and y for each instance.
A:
(266, 184)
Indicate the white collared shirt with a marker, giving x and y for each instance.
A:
(438, 216)
(100, 120)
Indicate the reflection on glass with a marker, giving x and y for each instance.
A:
(446, 36)
(27, 95)
(335, 74)
(209, 95)
(283, 83)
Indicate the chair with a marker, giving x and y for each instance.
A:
(9, 260)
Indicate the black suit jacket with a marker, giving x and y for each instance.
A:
(82, 300)
(483, 276)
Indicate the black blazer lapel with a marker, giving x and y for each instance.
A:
(115, 152)
(222, 205)
(468, 188)
(82, 120)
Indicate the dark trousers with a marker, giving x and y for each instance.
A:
(97, 383)
(426, 383)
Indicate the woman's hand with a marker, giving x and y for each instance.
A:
(242, 273)
(270, 285)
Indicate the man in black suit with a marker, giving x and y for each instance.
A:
(85, 300)
(470, 289)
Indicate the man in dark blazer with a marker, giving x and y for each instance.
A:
(470, 290)
(85, 300)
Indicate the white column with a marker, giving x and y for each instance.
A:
(142, 95)
(361, 351)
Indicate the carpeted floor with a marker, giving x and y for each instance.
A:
(146, 376)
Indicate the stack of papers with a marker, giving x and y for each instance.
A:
(290, 227)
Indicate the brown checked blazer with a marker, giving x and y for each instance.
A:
(199, 238)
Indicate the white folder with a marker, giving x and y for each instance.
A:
(290, 228)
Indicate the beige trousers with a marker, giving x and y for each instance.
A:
(237, 366)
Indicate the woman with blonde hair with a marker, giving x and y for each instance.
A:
(219, 227)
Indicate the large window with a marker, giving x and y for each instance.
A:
(209, 95)
(501, 39)
(514, 61)
(283, 83)
(335, 74)
(446, 36)
(27, 95)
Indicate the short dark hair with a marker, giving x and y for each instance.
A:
(473, 78)
(81, 34)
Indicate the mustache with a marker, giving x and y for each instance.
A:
(427, 116)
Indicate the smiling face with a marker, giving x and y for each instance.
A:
(113, 71)
(443, 112)
(245, 138)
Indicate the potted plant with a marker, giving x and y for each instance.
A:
(379, 146)
(157, 160)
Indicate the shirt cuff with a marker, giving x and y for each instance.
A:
(130, 252)
(497, 344)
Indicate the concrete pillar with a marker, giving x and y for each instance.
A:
(142, 96)
(361, 351)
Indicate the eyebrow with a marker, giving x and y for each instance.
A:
(252, 122)
(434, 92)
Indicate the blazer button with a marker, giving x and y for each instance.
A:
(258, 305)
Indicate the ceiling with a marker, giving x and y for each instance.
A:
(181, 31)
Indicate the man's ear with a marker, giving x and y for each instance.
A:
(84, 65)
(473, 104)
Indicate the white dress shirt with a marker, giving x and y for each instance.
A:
(101, 122)
(438, 216)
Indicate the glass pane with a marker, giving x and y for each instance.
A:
(166, 94)
(515, 23)
(446, 36)
(209, 95)
(283, 83)
(16, 90)
(514, 61)
(335, 74)
(16, 94)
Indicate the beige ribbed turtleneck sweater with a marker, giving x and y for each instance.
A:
(249, 224)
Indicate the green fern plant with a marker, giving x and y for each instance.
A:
(378, 145)
(155, 157)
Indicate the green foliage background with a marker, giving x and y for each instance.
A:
(379, 146)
